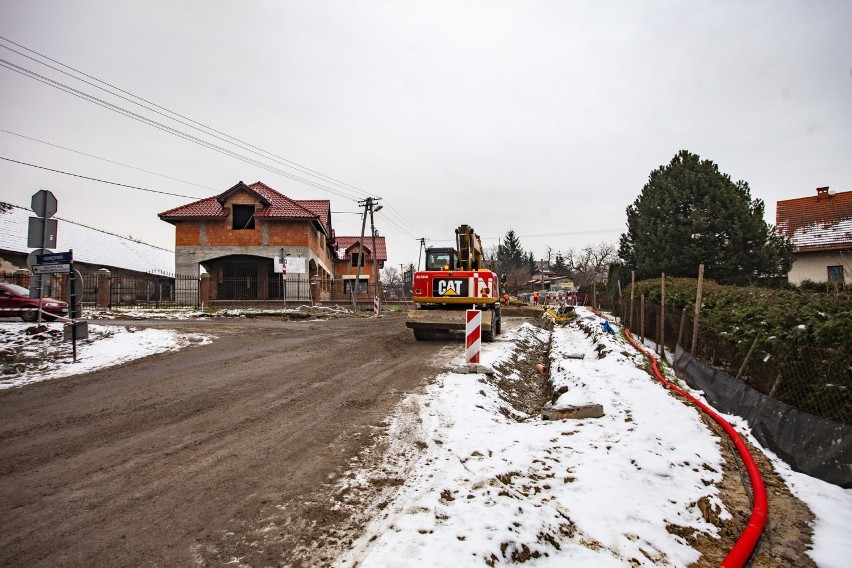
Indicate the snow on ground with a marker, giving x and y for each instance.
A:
(32, 358)
(485, 487)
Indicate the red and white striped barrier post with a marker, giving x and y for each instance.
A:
(376, 306)
(473, 336)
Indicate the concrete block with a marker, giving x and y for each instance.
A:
(550, 412)
(474, 369)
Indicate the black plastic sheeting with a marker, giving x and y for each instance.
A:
(812, 445)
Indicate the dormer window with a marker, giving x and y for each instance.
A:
(243, 218)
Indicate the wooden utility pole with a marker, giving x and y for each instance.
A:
(698, 295)
(375, 256)
(360, 255)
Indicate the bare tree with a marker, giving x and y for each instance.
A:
(517, 278)
(591, 264)
(391, 277)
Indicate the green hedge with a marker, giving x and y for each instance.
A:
(807, 315)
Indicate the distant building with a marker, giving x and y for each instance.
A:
(238, 237)
(820, 227)
(93, 249)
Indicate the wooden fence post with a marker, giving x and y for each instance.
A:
(632, 286)
(747, 357)
(680, 331)
(642, 317)
(698, 295)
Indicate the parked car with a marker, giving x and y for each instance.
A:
(15, 301)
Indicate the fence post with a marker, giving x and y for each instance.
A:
(698, 294)
(204, 291)
(642, 317)
(632, 290)
(102, 299)
(747, 357)
(682, 322)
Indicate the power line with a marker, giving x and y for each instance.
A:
(106, 160)
(145, 120)
(345, 188)
(98, 180)
(184, 120)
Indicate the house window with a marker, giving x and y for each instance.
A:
(835, 274)
(362, 285)
(243, 217)
(356, 258)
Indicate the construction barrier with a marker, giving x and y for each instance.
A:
(473, 336)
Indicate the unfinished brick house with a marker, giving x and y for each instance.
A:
(238, 237)
(820, 227)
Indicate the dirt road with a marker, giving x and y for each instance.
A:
(168, 460)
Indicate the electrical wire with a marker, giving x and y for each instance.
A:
(181, 119)
(106, 160)
(135, 116)
(98, 180)
(246, 146)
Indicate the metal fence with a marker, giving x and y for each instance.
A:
(148, 291)
(811, 379)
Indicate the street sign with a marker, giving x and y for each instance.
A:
(44, 203)
(42, 228)
(54, 257)
(32, 258)
(295, 265)
(76, 330)
(51, 268)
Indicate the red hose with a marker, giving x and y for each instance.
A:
(743, 548)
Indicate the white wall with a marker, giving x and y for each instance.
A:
(814, 266)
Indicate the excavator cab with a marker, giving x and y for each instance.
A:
(441, 259)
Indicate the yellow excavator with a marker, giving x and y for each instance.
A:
(455, 280)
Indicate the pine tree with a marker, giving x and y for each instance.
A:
(691, 213)
(510, 253)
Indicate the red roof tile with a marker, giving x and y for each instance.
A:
(821, 222)
(346, 242)
(275, 206)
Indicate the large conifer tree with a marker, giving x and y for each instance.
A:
(691, 213)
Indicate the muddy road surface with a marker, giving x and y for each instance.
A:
(162, 461)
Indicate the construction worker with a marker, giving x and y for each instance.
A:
(535, 297)
(505, 298)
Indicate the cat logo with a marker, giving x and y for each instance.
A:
(448, 287)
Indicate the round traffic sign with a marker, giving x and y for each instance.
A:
(31, 258)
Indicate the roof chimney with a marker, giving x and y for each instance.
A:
(822, 192)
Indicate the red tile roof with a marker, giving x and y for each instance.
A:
(346, 242)
(275, 206)
(821, 222)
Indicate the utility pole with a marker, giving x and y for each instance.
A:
(420, 253)
(368, 204)
(360, 256)
(378, 299)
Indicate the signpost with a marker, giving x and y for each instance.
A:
(76, 329)
(41, 233)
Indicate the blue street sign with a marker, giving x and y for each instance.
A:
(54, 258)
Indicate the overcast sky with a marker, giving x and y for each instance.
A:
(542, 117)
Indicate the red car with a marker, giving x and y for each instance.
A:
(15, 301)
